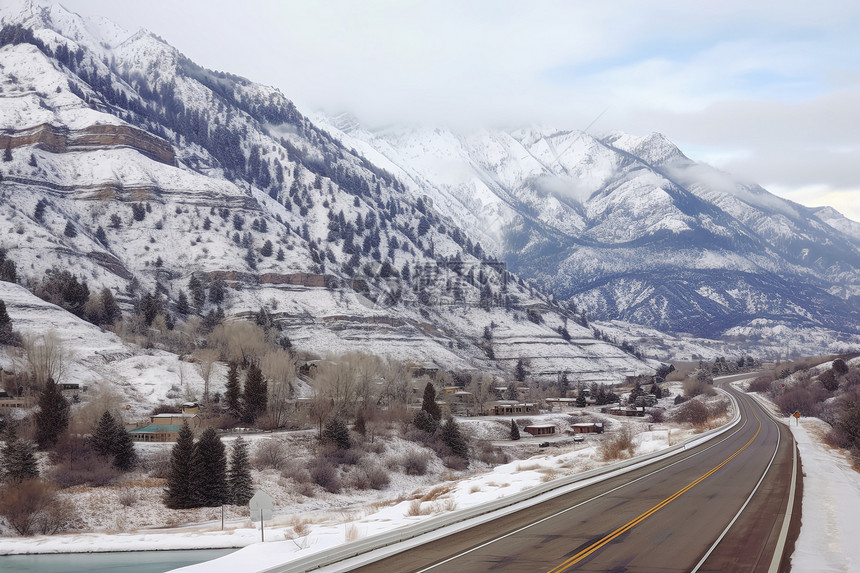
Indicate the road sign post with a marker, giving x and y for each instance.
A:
(796, 417)
(261, 506)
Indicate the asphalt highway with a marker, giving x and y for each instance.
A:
(693, 512)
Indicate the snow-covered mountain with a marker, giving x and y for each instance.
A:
(630, 228)
(141, 172)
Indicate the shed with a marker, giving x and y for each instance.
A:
(540, 429)
(587, 428)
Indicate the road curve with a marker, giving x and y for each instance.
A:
(667, 516)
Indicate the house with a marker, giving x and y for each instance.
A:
(587, 428)
(561, 402)
(511, 407)
(423, 369)
(7, 401)
(164, 427)
(540, 429)
(627, 411)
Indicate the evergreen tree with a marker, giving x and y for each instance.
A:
(520, 371)
(254, 397)
(110, 440)
(39, 212)
(124, 455)
(182, 480)
(198, 294)
(103, 437)
(182, 306)
(210, 459)
(515, 431)
(52, 419)
(266, 251)
(336, 433)
(70, 230)
(429, 404)
(239, 476)
(216, 291)
(7, 336)
(658, 393)
(233, 392)
(19, 459)
(101, 236)
(580, 399)
(7, 155)
(451, 436)
(110, 309)
(425, 422)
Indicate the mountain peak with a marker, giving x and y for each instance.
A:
(655, 148)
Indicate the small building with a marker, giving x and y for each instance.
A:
(9, 402)
(627, 411)
(561, 402)
(423, 369)
(540, 429)
(512, 408)
(587, 428)
(164, 427)
(646, 400)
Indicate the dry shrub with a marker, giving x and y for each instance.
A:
(718, 408)
(86, 468)
(415, 463)
(489, 454)
(657, 415)
(32, 508)
(437, 492)
(158, 464)
(694, 387)
(377, 476)
(343, 456)
(691, 412)
(351, 533)
(415, 509)
(128, 497)
(802, 397)
(761, 384)
(306, 489)
(271, 454)
(455, 463)
(527, 467)
(617, 445)
(326, 475)
(549, 474)
(475, 489)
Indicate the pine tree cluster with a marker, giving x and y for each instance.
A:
(199, 476)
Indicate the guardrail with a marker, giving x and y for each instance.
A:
(549, 490)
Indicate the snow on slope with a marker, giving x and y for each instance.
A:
(99, 359)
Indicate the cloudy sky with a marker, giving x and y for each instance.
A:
(768, 90)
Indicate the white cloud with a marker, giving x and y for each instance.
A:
(772, 83)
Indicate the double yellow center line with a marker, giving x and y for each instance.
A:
(642, 517)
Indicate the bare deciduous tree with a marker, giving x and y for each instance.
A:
(47, 358)
(395, 384)
(481, 387)
(240, 341)
(206, 359)
(280, 370)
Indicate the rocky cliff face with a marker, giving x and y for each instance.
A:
(57, 139)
